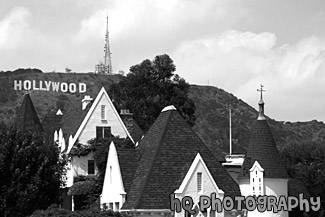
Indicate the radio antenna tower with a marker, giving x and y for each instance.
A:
(106, 67)
(108, 59)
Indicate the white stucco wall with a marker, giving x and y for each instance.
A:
(275, 187)
(80, 165)
(112, 120)
(207, 188)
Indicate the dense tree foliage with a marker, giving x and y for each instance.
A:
(101, 148)
(149, 87)
(86, 191)
(306, 163)
(30, 173)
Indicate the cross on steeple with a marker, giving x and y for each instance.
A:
(261, 105)
(261, 90)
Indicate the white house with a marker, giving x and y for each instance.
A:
(89, 120)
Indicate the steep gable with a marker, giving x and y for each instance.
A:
(169, 148)
(27, 119)
(113, 188)
(93, 119)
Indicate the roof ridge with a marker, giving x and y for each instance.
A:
(153, 160)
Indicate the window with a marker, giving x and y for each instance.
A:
(199, 182)
(256, 179)
(103, 132)
(91, 167)
(110, 206)
(117, 206)
(103, 112)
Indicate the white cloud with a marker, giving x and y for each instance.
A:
(13, 26)
(239, 61)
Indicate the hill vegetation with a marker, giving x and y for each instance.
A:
(211, 109)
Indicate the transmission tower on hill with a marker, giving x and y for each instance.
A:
(106, 66)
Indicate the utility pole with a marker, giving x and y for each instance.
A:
(230, 139)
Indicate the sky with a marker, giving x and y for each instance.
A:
(235, 45)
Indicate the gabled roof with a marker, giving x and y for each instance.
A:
(262, 148)
(89, 113)
(169, 148)
(198, 159)
(27, 119)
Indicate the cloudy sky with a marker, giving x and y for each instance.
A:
(235, 45)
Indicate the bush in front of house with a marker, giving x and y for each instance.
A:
(55, 211)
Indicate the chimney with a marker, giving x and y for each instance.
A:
(125, 112)
(85, 101)
(127, 118)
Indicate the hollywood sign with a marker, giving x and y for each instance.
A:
(50, 86)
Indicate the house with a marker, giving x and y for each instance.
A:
(92, 118)
(170, 160)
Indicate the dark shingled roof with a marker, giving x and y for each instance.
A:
(133, 128)
(51, 122)
(72, 118)
(129, 161)
(27, 119)
(262, 148)
(169, 148)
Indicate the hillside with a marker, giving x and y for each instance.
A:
(212, 123)
(211, 103)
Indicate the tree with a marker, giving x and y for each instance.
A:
(306, 163)
(149, 87)
(31, 173)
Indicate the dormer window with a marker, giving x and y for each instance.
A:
(256, 179)
(103, 112)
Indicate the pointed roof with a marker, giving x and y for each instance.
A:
(262, 148)
(51, 123)
(87, 115)
(129, 161)
(27, 119)
(169, 148)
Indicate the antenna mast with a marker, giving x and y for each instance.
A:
(107, 57)
(106, 67)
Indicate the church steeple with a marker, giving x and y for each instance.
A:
(261, 105)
